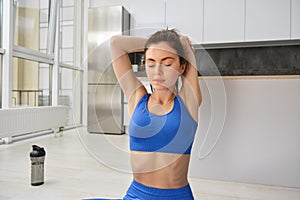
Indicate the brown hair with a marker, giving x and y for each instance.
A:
(171, 37)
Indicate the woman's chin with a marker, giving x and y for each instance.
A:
(160, 88)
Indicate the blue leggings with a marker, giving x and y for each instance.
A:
(138, 191)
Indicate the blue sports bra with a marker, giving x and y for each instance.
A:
(173, 132)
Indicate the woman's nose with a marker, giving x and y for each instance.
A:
(158, 69)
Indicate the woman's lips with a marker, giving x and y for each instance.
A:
(158, 81)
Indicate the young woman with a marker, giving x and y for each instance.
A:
(163, 124)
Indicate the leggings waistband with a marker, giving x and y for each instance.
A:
(140, 191)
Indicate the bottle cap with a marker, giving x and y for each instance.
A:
(37, 151)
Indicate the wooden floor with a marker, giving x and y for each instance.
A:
(80, 165)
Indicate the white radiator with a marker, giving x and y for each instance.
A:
(20, 121)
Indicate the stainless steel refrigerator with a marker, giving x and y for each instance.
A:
(105, 98)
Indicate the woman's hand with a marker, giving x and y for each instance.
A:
(188, 51)
(187, 44)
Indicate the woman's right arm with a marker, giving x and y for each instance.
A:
(120, 46)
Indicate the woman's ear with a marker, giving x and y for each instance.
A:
(183, 67)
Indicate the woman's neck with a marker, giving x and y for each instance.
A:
(163, 97)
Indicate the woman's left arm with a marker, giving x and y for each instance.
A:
(190, 85)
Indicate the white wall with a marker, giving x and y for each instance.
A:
(260, 137)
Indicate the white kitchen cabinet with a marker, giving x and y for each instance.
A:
(224, 21)
(146, 16)
(186, 17)
(295, 19)
(267, 20)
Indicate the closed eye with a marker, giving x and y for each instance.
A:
(167, 64)
(150, 64)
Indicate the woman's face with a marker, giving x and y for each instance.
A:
(162, 66)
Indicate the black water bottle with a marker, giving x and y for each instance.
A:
(37, 157)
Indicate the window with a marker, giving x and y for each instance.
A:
(30, 83)
(1, 52)
(70, 93)
(33, 52)
(32, 24)
(67, 33)
(32, 59)
(70, 72)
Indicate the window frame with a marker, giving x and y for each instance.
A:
(8, 51)
(11, 51)
(34, 55)
(81, 72)
(76, 66)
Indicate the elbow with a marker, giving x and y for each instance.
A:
(114, 40)
(115, 48)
